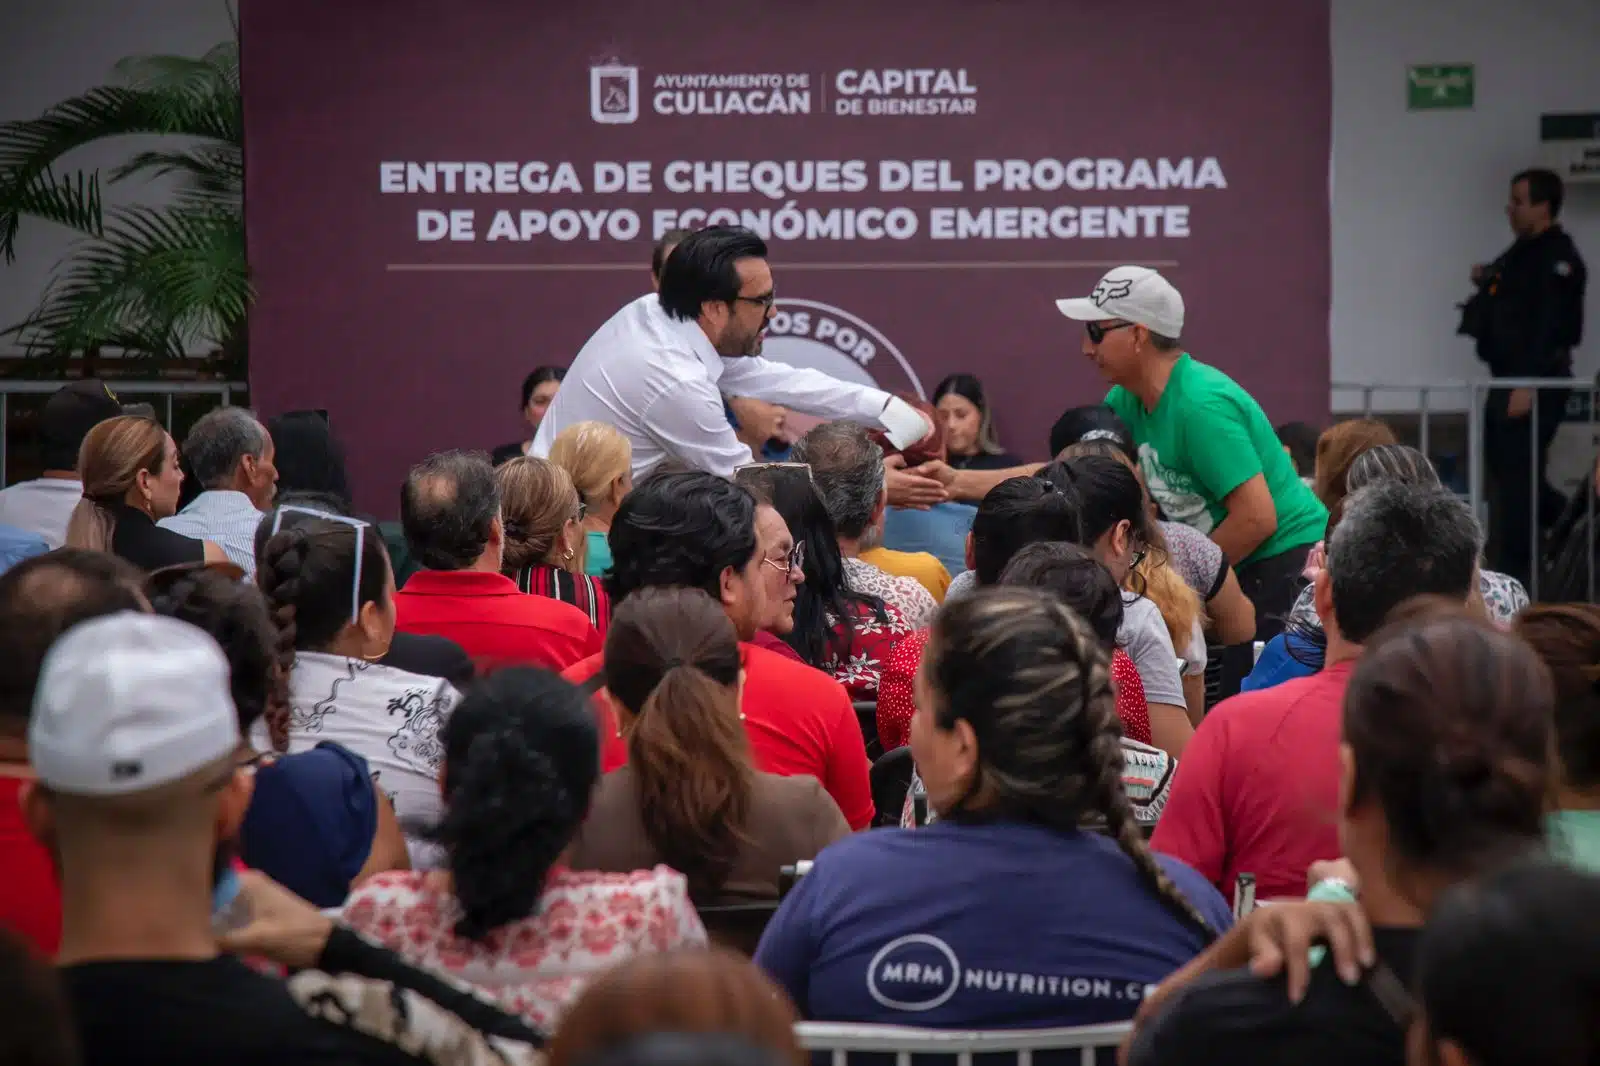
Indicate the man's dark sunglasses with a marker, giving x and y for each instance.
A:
(1097, 332)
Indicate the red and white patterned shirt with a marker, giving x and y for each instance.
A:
(915, 603)
(584, 924)
(895, 706)
(871, 643)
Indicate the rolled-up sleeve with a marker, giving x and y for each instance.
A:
(806, 390)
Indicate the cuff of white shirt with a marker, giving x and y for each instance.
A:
(904, 425)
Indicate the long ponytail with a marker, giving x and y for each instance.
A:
(672, 663)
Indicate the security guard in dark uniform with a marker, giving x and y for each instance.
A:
(1527, 316)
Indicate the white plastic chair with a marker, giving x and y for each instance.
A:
(840, 1040)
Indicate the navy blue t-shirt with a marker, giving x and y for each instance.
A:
(998, 926)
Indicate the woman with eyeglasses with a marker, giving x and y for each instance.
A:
(317, 823)
(1007, 912)
(599, 460)
(328, 581)
(689, 796)
(843, 632)
(545, 543)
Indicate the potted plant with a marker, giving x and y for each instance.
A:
(151, 281)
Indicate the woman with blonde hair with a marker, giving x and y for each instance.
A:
(599, 460)
(545, 544)
(129, 469)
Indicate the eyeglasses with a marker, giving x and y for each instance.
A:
(806, 467)
(1097, 332)
(764, 302)
(795, 561)
(359, 526)
(583, 510)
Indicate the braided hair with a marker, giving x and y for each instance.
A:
(521, 759)
(1034, 684)
(306, 570)
(237, 617)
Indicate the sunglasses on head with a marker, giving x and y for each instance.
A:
(359, 526)
(1097, 330)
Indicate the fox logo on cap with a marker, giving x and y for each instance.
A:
(1110, 290)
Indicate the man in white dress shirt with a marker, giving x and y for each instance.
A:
(231, 455)
(657, 369)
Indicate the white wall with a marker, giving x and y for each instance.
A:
(1418, 196)
(53, 49)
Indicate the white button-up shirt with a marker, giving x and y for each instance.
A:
(660, 382)
(224, 517)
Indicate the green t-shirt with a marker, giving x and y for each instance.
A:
(1206, 437)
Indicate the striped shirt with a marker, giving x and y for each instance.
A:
(224, 517)
(583, 591)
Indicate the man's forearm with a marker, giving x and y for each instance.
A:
(1239, 535)
(973, 485)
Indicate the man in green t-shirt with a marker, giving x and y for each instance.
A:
(1210, 456)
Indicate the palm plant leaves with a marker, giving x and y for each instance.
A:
(148, 280)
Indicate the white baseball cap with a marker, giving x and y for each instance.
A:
(127, 702)
(1134, 294)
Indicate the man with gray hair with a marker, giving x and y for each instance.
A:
(231, 455)
(450, 510)
(847, 471)
(1259, 783)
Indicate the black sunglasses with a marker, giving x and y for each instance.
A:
(1097, 332)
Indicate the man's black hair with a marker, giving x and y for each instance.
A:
(1544, 187)
(703, 268)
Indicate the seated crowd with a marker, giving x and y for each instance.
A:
(575, 769)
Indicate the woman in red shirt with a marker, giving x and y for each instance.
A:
(845, 633)
(545, 544)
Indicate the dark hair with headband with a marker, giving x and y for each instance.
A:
(521, 758)
(1017, 512)
(672, 664)
(313, 578)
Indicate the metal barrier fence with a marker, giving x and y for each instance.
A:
(1506, 471)
(163, 391)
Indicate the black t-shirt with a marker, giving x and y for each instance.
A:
(985, 461)
(146, 545)
(177, 1013)
(1234, 1017)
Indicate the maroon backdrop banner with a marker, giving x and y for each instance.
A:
(440, 196)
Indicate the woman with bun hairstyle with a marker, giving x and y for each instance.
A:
(521, 760)
(688, 796)
(1448, 764)
(545, 543)
(331, 590)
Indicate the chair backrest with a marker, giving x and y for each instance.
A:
(891, 780)
(788, 876)
(839, 1041)
(738, 925)
(867, 718)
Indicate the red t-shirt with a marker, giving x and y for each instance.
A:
(30, 897)
(772, 643)
(895, 706)
(496, 623)
(1257, 789)
(799, 720)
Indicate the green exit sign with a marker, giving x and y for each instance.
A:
(1439, 87)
